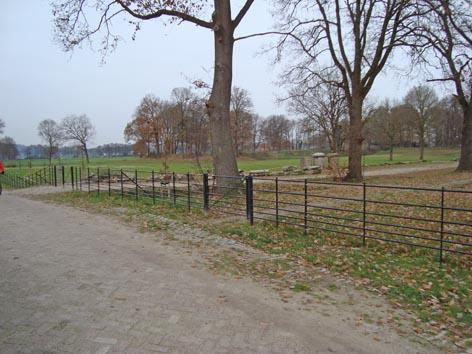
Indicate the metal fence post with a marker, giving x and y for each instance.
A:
(364, 205)
(63, 173)
(121, 181)
(442, 227)
(77, 178)
(246, 179)
(153, 188)
(80, 178)
(188, 191)
(109, 182)
(206, 192)
(173, 188)
(88, 178)
(249, 200)
(55, 176)
(305, 210)
(136, 183)
(276, 201)
(98, 180)
(72, 177)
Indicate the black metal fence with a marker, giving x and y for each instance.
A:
(437, 219)
(38, 177)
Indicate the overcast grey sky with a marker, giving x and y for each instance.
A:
(39, 81)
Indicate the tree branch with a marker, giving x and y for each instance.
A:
(165, 12)
(242, 13)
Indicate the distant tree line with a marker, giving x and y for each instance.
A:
(180, 126)
(319, 122)
(39, 151)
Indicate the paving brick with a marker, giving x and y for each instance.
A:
(84, 283)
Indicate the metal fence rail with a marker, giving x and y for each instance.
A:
(38, 177)
(437, 219)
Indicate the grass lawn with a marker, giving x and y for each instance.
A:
(263, 160)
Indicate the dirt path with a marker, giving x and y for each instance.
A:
(401, 169)
(387, 170)
(76, 282)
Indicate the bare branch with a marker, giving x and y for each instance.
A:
(165, 12)
(242, 13)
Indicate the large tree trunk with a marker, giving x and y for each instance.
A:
(218, 106)
(355, 139)
(465, 161)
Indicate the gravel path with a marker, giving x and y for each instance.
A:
(81, 283)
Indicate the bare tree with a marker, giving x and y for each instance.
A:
(8, 148)
(183, 99)
(74, 26)
(383, 126)
(51, 133)
(241, 107)
(79, 129)
(136, 132)
(322, 107)
(447, 122)
(444, 41)
(357, 37)
(2, 126)
(423, 100)
(148, 115)
(276, 132)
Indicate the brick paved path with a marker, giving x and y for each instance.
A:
(81, 283)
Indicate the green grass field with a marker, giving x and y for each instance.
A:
(263, 160)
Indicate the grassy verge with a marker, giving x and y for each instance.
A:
(439, 296)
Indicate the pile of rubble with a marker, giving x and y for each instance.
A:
(308, 166)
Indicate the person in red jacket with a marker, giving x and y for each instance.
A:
(2, 171)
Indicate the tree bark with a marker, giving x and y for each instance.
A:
(465, 160)
(355, 139)
(218, 106)
(391, 152)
